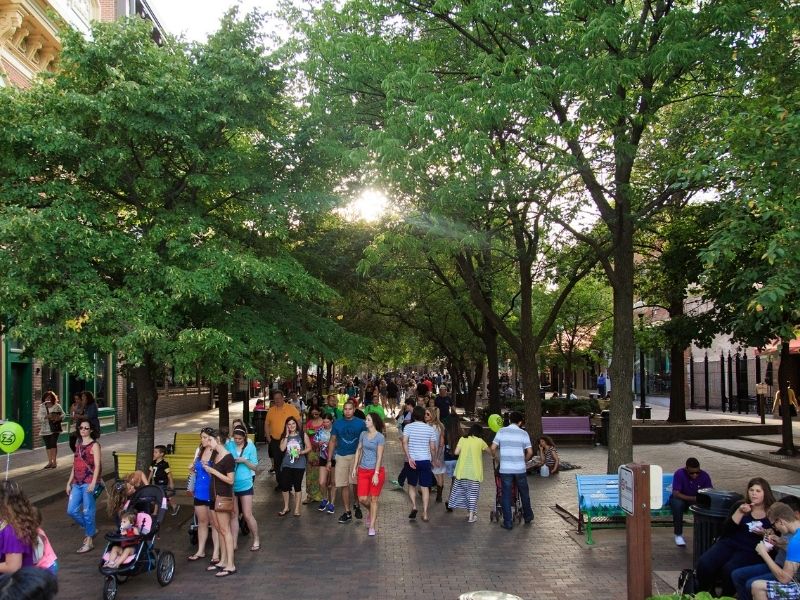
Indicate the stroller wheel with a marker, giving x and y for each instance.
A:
(110, 588)
(165, 568)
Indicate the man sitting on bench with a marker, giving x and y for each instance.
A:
(685, 483)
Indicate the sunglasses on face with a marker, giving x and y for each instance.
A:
(84, 428)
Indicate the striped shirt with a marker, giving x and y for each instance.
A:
(419, 436)
(513, 442)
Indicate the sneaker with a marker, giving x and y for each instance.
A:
(330, 508)
(175, 510)
(371, 531)
(322, 506)
(679, 541)
(345, 518)
(357, 511)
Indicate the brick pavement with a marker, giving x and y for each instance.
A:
(313, 556)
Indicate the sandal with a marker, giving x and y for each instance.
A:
(194, 557)
(425, 519)
(413, 514)
(255, 547)
(226, 572)
(297, 514)
(210, 568)
(283, 513)
(86, 547)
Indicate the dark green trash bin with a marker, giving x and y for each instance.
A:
(710, 511)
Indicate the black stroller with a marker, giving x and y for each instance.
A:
(146, 557)
(516, 501)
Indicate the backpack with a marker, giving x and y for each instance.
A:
(687, 582)
(44, 556)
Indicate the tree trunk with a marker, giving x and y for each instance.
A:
(569, 359)
(147, 397)
(489, 335)
(787, 439)
(677, 395)
(303, 382)
(329, 374)
(474, 386)
(224, 415)
(620, 438)
(245, 397)
(533, 401)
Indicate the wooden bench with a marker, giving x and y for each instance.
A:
(125, 463)
(598, 498)
(577, 427)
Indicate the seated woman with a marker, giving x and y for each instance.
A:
(548, 455)
(735, 548)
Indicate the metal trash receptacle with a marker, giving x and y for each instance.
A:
(259, 420)
(710, 511)
(605, 422)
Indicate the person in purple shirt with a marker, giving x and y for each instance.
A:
(685, 483)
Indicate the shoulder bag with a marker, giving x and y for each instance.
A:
(222, 503)
(54, 420)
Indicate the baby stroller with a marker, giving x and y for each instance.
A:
(516, 501)
(149, 499)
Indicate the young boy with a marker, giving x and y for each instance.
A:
(161, 475)
(784, 521)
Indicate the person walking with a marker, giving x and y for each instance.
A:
(468, 472)
(419, 443)
(516, 449)
(368, 468)
(50, 417)
(278, 412)
(314, 423)
(438, 467)
(341, 451)
(76, 411)
(320, 441)
(295, 445)
(83, 479)
(246, 458)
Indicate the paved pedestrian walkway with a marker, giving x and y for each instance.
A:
(314, 557)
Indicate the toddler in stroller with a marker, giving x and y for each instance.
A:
(132, 550)
(132, 525)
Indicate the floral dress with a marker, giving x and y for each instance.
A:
(313, 491)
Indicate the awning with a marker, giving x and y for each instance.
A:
(774, 347)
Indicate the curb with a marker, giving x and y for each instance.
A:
(746, 456)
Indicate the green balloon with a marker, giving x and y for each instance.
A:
(11, 437)
(495, 422)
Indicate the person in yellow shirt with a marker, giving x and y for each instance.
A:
(469, 472)
(278, 412)
(792, 401)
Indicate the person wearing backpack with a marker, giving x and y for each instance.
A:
(19, 523)
(50, 417)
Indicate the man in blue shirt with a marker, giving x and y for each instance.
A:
(785, 522)
(515, 450)
(341, 452)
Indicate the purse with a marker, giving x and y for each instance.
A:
(222, 503)
(55, 425)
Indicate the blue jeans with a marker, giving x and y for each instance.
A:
(522, 489)
(743, 579)
(678, 507)
(719, 561)
(81, 507)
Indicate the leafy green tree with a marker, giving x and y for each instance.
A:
(501, 104)
(753, 260)
(145, 197)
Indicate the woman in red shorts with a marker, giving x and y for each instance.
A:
(369, 471)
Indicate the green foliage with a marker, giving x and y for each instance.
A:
(146, 194)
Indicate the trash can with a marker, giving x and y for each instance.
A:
(605, 422)
(642, 412)
(259, 421)
(710, 511)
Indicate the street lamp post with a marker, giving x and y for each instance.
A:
(643, 409)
